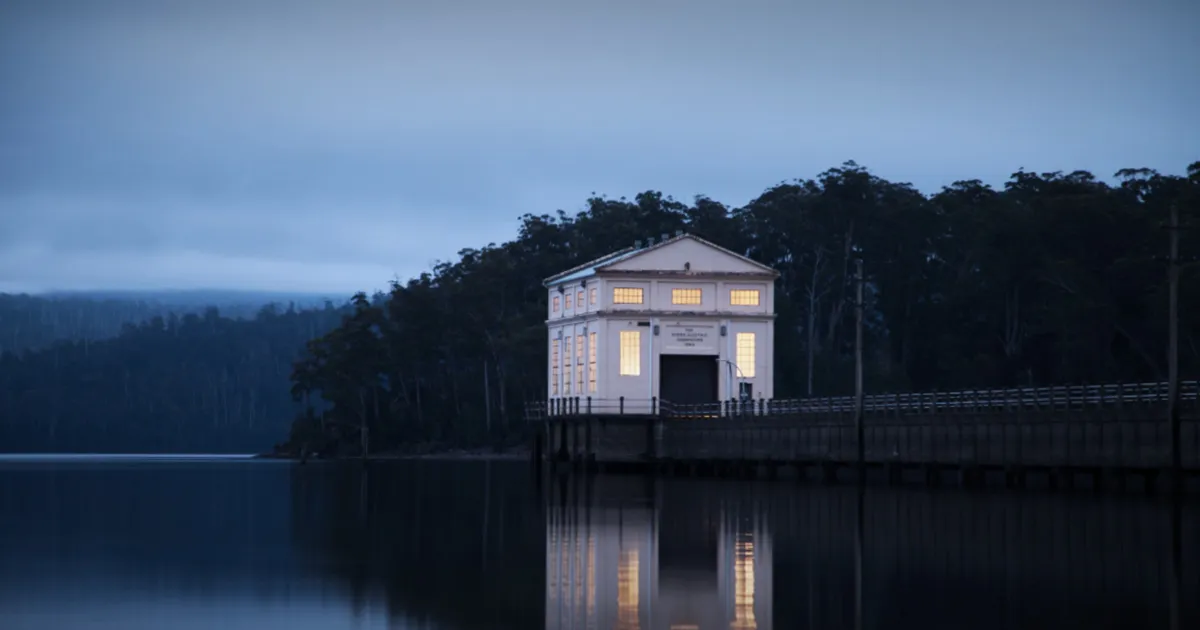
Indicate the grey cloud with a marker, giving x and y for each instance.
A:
(318, 137)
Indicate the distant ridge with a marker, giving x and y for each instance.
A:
(215, 297)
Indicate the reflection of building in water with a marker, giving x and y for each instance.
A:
(602, 572)
(744, 570)
(600, 568)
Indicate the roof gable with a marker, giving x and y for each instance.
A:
(667, 255)
(686, 253)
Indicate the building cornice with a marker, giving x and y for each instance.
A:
(668, 315)
(631, 274)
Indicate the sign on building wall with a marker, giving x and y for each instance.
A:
(690, 338)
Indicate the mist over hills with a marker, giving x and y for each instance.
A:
(198, 297)
(34, 321)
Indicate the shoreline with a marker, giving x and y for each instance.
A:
(445, 455)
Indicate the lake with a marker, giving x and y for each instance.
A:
(130, 543)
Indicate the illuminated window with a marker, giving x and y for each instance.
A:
(685, 296)
(627, 295)
(579, 299)
(745, 354)
(554, 368)
(579, 341)
(743, 297)
(592, 362)
(631, 352)
(592, 296)
(567, 364)
(568, 306)
(555, 302)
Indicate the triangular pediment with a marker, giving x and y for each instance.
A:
(687, 253)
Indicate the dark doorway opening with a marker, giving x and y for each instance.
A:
(688, 379)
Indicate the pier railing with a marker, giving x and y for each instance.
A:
(967, 401)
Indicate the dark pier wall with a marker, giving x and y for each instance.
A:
(1129, 438)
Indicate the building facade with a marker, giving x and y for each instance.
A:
(682, 320)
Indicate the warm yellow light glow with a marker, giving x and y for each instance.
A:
(627, 295)
(577, 578)
(631, 352)
(591, 363)
(579, 341)
(554, 368)
(745, 354)
(627, 590)
(743, 297)
(568, 296)
(592, 296)
(555, 303)
(579, 299)
(685, 296)
(567, 365)
(743, 585)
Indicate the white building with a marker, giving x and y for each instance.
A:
(682, 320)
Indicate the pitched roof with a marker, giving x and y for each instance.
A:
(591, 268)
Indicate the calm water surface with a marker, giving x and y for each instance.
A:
(201, 543)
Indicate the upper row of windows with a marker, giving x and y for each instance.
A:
(636, 295)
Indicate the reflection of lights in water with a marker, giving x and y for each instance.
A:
(577, 571)
(743, 583)
(627, 590)
(591, 580)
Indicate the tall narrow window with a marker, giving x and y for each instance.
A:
(745, 354)
(592, 296)
(554, 300)
(592, 362)
(743, 297)
(554, 368)
(579, 299)
(579, 341)
(627, 295)
(685, 296)
(631, 352)
(568, 306)
(567, 366)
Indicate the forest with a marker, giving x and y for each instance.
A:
(1051, 278)
(200, 382)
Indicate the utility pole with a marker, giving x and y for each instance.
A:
(1173, 270)
(858, 367)
(858, 427)
(487, 399)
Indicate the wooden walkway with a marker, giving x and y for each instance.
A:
(1103, 432)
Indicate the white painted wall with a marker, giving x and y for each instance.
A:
(608, 319)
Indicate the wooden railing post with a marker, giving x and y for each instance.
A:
(621, 405)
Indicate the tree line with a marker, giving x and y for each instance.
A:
(196, 382)
(38, 321)
(1052, 278)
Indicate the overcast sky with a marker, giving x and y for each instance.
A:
(331, 146)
